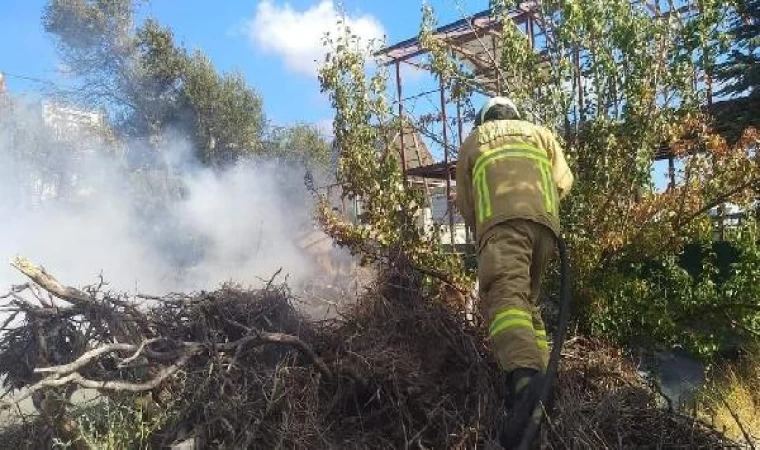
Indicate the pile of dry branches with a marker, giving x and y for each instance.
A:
(602, 402)
(244, 369)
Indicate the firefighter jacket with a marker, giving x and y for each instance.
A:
(510, 169)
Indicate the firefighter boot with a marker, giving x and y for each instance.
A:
(525, 390)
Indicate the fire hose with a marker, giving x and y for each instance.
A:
(559, 339)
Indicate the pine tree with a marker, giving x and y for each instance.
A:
(741, 71)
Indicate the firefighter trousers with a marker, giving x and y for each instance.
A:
(511, 261)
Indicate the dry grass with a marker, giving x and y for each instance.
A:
(731, 401)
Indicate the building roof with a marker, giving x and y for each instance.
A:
(416, 153)
(436, 171)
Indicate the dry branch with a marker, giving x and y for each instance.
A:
(77, 379)
(46, 281)
(85, 359)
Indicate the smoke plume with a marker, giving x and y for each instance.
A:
(82, 207)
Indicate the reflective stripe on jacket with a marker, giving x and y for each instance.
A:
(511, 169)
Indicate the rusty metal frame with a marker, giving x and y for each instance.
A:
(401, 118)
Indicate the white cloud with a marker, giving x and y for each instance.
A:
(412, 74)
(296, 36)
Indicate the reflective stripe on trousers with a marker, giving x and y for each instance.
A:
(512, 317)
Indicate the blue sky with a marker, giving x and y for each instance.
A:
(270, 41)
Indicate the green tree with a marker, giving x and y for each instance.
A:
(148, 83)
(368, 170)
(229, 116)
(741, 70)
(739, 73)
(302, 143)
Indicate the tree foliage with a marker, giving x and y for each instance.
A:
(741, 69)
(228, 115)
(619, 84)
(148, 83)
(702, 300)
(363, 128)
(302, 144)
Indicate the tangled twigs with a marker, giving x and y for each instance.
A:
(142, 349)
(244, 369)
(127, 361)
(280, 338)
(91, 342)
(67, 374)
(602, 402)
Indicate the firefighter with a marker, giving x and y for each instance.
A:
(511, 175)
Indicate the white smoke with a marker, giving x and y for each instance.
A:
(79, 211)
